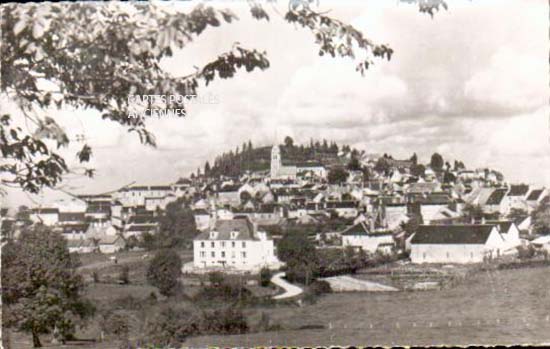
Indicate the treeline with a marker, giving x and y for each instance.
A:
(249, 158)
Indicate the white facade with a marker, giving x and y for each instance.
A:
(234, 249)
(369, 243)
(460, 253)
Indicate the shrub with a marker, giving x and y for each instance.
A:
(116, 325)
(265, 277)
(319, 287)
(95, 277)
(170, 327)
(216, 278)
(225, 293)
(230, 320)
(124, 275)
(526, 252)
(164, 272)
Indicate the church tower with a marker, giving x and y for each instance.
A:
(275, 161)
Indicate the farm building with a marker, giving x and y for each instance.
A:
(456, 243)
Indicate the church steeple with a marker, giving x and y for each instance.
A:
(275, 161)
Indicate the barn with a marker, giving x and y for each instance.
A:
(472, 243)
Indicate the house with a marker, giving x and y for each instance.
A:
(202, 218)
(535, 197)
(345, 209)
(361, 236)
(234, 244)
(46, 215)
(455, 243)
(229, 195)
(510, 233)
(111, 244)
(75, 231)
(395, 214)
(515, 198)
(81, 246)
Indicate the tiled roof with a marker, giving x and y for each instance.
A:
(357, 229)
(224, 227)
(496, 197)
(534, 195)
(518, 190)
(452, 234)
(45, 210)
(71, 216)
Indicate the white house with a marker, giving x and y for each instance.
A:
(346, 209)
(359, 235)
(234, 244)
(111, 244)
(455, 243)
(46, 215)
(202, 219)
(510, 233)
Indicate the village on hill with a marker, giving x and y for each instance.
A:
(338, 197)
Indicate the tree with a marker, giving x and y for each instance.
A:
(382, 166)
(436, 162)
(245, 196)
(289, 142)
(414, 159)
(118, 49)
(541, 217)
(42, 290)
(164, 271)
(265, 277)
(473, 213)
(354, 164)
(337, 175)
(300, 256)
(418, 170)
(177, 225)
(207, 169)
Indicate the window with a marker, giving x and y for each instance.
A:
(223, 243)
(202, 243)
(243, 254)
(203, 254)
(447, 255)
(212, 244)
(232, 243)
(223, 254)
(424, 255)
(213, 254)
(244, 244)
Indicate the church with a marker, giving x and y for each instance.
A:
(280, 171)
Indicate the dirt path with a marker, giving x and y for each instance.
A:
(290, 289)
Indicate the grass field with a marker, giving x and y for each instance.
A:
(504, 307)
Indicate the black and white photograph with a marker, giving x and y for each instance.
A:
(274, 173)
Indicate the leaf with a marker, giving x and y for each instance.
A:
(85, 153)
(19, 26)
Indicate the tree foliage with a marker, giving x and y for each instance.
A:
(541, 217)
(96, 56)
(300, 256)
(337, 175)
(436, 162)
(42, 290)
(164, 271)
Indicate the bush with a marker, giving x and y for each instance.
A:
(116, 325)
(225, 293)
(265, 277)
(95, 277)
(124, 275)
(216, 278)
(170, 327)
(319, 287)
(230, 320)
(526, 252)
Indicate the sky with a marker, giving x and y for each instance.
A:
(470, 83)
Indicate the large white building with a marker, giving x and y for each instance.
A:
(234, 244)
(456, 243)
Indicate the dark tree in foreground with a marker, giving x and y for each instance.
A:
(99, 56)
(41, 286)
(164, 272)
(436, 162)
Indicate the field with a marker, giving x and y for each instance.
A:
(504, 307)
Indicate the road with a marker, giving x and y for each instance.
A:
(290, 289)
